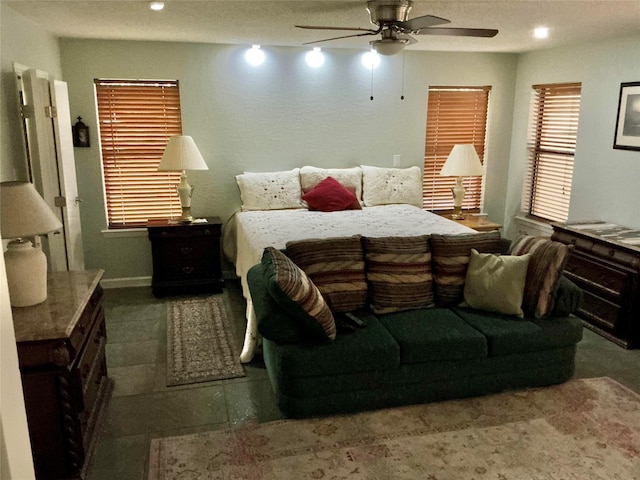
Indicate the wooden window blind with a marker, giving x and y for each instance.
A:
(553, 127)
(136, 119)
(455, 115)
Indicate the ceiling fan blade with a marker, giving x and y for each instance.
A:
(372, 32)
(459, 32)
(358, 29)
(415, 24)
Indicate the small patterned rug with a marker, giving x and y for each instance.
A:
(200, 344)
(580, 430)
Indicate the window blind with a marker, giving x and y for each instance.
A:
(135, 120)
(553, 127)
(455, 115)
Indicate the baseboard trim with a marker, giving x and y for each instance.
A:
(126, 282)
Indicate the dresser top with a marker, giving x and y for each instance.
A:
(55, 318)
(623, 237)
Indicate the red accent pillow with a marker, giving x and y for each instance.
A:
(331, 196)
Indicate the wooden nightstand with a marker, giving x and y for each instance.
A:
(61, 352)
(481, 224)
(186, 256)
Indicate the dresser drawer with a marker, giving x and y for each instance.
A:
(608, 281)
(86, 321)
(600, 311)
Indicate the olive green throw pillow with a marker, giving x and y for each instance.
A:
(297, 295)
(496, 283)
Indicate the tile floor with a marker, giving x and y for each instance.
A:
(143, 407)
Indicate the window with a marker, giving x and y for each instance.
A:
(136, 119)
(454, 115)
(553, 127)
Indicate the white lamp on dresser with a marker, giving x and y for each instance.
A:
(24, 214)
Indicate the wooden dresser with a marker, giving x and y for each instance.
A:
(61, 353)
(605, 263)
(186, 256)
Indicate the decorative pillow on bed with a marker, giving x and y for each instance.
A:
(450, 261)
(295, 292)
(270, 190)
(331, 196)
(336, 267)
(384, 186)
(496, 282)
(548, 259)
(348, 177)
(399, 273)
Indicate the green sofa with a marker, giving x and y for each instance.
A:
(415, 355)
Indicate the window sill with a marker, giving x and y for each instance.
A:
(124, 233)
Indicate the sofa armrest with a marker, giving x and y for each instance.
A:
(274, 322)
(567, 298)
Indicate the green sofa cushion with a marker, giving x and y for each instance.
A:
(433, 334)
(507, 334)
(364, 349)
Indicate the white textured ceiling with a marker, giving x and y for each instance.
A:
(271, 22)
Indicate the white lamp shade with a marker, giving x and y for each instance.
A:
(182, 153)
(23, 212)
(463, 161)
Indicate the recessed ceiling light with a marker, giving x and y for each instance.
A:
(156, 6)
(541, 32)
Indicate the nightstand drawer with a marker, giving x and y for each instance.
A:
(186, 257)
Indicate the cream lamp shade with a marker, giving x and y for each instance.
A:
(181, 154)
(463, 161)
(24, 213)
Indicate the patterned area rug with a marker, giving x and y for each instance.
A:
(200, 345)
(580, 430)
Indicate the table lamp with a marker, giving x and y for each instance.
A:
(463, 161)
(24, 213)
(182, 154)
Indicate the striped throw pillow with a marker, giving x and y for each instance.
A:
(295, 293)
(450, 261)
(547, 262)
(336, 267)
(399, 273)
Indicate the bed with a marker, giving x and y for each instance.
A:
(251, 230)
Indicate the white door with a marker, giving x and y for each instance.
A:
(67, 175)
(52, 164)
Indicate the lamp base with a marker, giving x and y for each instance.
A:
(26, 273)
(457, 214)
(186, 216)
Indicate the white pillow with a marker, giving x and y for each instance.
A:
(270, 190)
(349, 177)
(383, 186)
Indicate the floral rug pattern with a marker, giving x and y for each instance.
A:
(581, 430)
(200, 344)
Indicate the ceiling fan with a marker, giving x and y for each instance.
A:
(392, 22)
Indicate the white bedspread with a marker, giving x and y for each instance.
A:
(255, 230)
(259, 229)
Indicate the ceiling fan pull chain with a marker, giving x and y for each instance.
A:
(371, 97)
(404, 56)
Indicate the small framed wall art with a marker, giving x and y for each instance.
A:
(80, 134)
(627, 135)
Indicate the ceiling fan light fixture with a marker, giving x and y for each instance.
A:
(386, 47)
(541, 32)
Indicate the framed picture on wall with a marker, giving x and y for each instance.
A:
(627, 136)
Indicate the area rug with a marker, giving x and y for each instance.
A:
(200, 344)
(580, 430)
